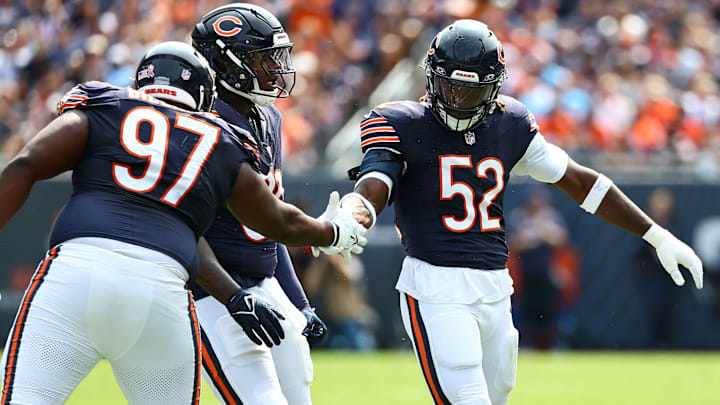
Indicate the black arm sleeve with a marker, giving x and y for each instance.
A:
(383, 161)
(285, 274)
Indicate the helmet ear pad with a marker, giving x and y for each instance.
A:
(237, 80)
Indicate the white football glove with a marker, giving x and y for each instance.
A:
(349, 236)
(671, 251)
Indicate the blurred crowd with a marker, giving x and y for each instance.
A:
(635, 80)
(611, 78)
(342, 49)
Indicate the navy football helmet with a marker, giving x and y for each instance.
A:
(249, 51)
(464, 69)
(176, 72)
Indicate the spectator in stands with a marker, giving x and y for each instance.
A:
(536, 231)
(616, 76)
(337, 289)
(658, 294)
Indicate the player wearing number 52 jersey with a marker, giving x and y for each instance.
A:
(444, 162)
(147, 176)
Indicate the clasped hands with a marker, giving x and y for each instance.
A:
(349, 234)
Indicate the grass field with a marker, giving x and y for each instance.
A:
(562, 378)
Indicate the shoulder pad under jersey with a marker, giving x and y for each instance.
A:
(515, 110)
(243, 139)
(91, 94)
(378, 129)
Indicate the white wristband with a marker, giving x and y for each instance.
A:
(365, 202)
(596, 194)
(656, 234)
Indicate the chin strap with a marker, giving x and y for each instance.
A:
(263, 101)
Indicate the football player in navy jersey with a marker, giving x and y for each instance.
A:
(147, 176)
(249, 50)
(444, 163)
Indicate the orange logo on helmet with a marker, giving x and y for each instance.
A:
(501, 54)
(234, 22)
(433, 44)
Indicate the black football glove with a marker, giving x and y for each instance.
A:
(315, 329)
(259, 321)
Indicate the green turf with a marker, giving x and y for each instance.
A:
(563, 378)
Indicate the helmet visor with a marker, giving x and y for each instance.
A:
(274, 69)
(461, 95)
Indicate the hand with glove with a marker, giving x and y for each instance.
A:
(260, 322)
(315, 329)
(671, 251)
(349, 234)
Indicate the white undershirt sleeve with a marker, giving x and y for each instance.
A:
(542, 161)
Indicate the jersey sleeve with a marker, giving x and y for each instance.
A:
(526, 128)
(244, 142)
(535, 156)
(90, 94)
(542, 161)
(382, 158)
(377, 133)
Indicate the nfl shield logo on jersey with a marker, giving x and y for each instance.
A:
(470, 137)
(185, 74)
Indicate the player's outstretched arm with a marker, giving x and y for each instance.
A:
(254, 205)
(598, 195)
(259, 321)
(55, 149)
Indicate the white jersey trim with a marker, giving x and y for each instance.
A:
(542, 161)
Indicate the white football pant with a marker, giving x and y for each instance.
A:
(94, 298)
(467, 353)
(241, 372)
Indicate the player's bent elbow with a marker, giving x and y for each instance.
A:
(21, 168)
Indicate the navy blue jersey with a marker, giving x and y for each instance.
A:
(239, 249)
(152, 174)
(449, 200)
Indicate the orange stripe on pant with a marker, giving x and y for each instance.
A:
(424, 352)
(198, 353)
(212, 369)
(20, 323)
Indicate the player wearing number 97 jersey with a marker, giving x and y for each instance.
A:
(444, 162)
(147, 176)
